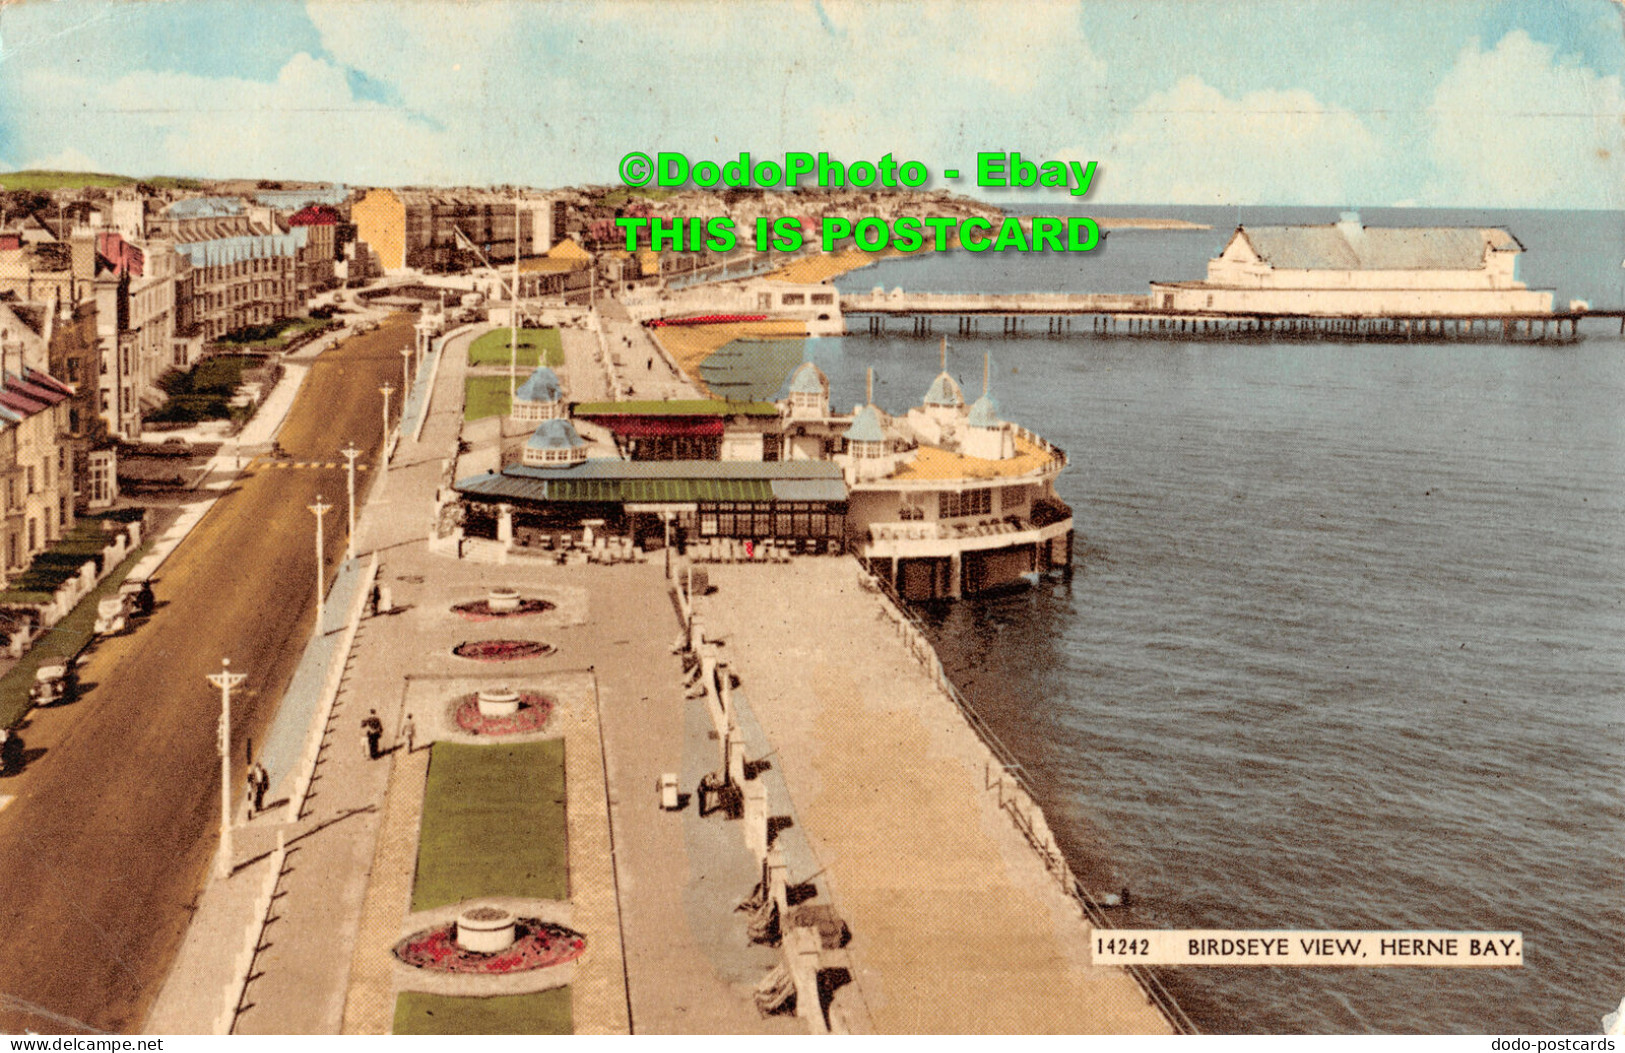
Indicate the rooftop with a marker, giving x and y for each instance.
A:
(865, 427)
(226, 251)
(944, 391)
(930, 462)
(541, 386)
(984, 413)
(205, 208)
(609, 480)
(677, 408)
(1349, 247)
(555, 435)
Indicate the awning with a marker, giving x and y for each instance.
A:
(660, 427)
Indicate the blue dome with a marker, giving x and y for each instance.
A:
(984, 413)
(555, 435)
(541, 386)
(808, 379)
(944, 392)
(865, 427)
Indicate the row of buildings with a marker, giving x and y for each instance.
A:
(100, 298)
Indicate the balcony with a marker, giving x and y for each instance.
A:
(915, 539)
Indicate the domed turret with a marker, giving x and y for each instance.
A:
(986, 435)
(540, 397)
(809, 392)
(555, 444)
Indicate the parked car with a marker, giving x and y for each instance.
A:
(112, 615)
(55, 681)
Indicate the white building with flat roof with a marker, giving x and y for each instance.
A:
(1346, 269)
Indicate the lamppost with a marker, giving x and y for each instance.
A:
(320, 509)
(387, 390)
(406, 373)
(225, 680)
(350, 454)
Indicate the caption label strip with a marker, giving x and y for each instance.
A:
(1298, 947)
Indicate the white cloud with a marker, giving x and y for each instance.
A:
(304, 124)
(1192, 144)
(69, 160)
(1519, 126)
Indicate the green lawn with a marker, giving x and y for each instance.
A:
(40, 179)
(493, 824)
(542, 1013)
(204, 392)
(485, 397)
(492, 348)
(67, 637)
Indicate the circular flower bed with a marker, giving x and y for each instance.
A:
(501, 650)
(538, 946)
(533, 713)
(480, 610)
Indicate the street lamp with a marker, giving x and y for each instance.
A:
(387, 390)
(406, 373)
(225, 680)
(320, 509)
(350, 454)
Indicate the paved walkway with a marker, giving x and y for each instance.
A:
(957, 927)
(302, 974)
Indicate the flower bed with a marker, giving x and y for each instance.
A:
(534, 710)
(501, 650)
(480, 610)
(538, 946)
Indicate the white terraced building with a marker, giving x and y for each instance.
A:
(1348, 270)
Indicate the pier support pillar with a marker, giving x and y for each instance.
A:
(956, 576)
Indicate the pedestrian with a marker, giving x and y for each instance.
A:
(374, 729)
(409, 732)
(262, 783)
(253, 790)
(651, 366)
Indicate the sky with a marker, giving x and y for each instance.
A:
(1484, 103)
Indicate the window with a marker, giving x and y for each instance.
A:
(792, 299)
(968, 503)
(31, 490)
(823, 298)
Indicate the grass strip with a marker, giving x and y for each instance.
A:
(540, 1013)
(536, 347)
(493, 824)
(485, 397)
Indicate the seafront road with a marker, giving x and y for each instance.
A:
(105, 848)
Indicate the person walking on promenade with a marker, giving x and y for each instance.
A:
(374, 729)
(261, 783)
(409, 732)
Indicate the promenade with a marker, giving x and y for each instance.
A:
(957, 926)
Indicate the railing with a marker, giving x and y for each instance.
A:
(1156, 993)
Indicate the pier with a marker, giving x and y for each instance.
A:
(1133, 316)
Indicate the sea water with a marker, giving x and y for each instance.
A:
(1344, 645)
